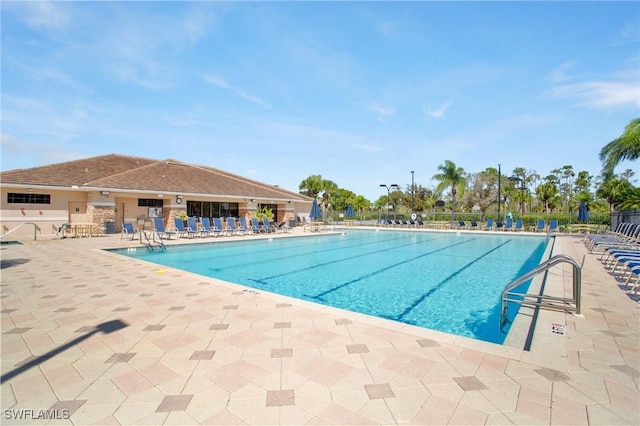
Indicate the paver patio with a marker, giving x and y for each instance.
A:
(107, 339)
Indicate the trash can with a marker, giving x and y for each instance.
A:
(292, 223)
(109, 227)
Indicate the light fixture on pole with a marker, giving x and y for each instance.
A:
(413, 192)
(393, 185)
(499, 195)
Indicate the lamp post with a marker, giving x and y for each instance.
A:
(413, 192)
(393, 185)
(499, 195)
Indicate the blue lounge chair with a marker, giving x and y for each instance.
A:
(508, 226)
(541, 226)
(206, 226)
(553, 225)
(182, 231)
(518, 226)
(499, 226)
(474, 225)
(128, 229)
(231, 226)
(267, 225)
(217, 227)
(489, 225)
(193, 227)
(255, 226)
(243, 226)
(158, 226)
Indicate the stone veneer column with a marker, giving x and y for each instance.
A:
(169, 213)
(99, 213)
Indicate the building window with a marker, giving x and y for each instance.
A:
(212, 209)
(149, 202)
(18, 198)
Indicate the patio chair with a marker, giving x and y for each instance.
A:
(217, 227)
(255, 226)
(182, 231)
(206, 226)
(243, 226)
(128, 229)
(158, 226)
(267, 225)
(231, 226)
(553, 225)
(518, 226)
(508, 226)
(489, 225)
(282, 227)
(541, 225)
(474, 225)
(193, 227)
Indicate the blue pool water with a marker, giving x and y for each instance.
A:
(449, 282)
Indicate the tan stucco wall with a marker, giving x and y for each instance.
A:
(79, 206)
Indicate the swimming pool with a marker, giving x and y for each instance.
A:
(446, 281)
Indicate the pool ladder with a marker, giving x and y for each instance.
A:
(35, 230)
(151, 243)
(568, 305)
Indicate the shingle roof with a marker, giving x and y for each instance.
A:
(113, 172)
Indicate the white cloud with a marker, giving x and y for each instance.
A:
(366, 147)
(559, 74)
(600, 94)
(437, 113)
(221, 83)
(382, 112)
(45, 14)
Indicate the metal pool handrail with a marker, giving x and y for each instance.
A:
(35, 230)
(571, 305)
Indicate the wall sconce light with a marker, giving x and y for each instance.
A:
(160, 195)
(251, 200)
(105, 193)
(179, 199)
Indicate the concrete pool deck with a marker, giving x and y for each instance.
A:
(107, 339)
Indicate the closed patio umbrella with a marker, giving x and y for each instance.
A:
(350, 212)
(583, 212)
(315, 211)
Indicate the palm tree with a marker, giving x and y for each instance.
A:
(626, 147)
(311, 186)
(452, 177)
(546, 193)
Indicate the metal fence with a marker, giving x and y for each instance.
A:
(628, 216)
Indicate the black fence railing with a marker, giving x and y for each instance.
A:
(629, 216)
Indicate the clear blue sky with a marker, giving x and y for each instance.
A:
(360, 93)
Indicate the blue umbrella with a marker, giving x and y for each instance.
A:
(350, 212)
(315, 211)
(583, 213)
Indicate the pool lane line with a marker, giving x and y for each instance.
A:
(442, 283)
(264, 259)
(386, 268)
(343, 259)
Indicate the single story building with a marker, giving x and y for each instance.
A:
(112, 189)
